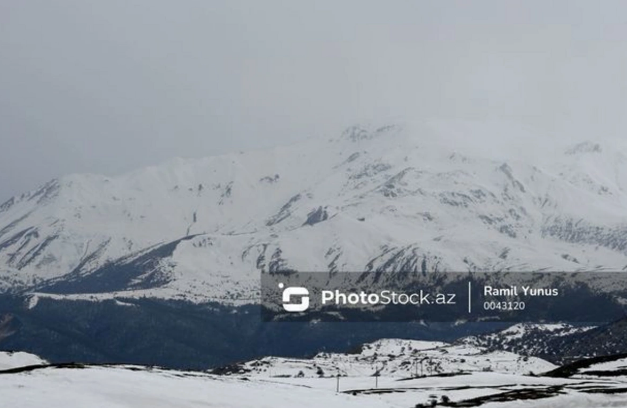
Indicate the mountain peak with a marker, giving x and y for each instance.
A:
(358, 133)
(584, 147)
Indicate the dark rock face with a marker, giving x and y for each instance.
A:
(284, 212)
(582, 232)
(317, 215)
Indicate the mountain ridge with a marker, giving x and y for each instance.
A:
(384, 198)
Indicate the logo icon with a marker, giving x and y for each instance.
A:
(295, 291)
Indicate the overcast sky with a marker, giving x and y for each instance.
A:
(111, 85)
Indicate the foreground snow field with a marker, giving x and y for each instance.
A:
(598, 384)
(132, 386)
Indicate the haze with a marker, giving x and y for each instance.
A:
(109, 86)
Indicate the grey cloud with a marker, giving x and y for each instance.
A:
(109, 86)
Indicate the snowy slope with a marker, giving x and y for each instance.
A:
(13, 359)
(413, 196)
(618, 366)
(530, 339)
(394, 358)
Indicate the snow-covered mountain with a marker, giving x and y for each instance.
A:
(428, 196)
